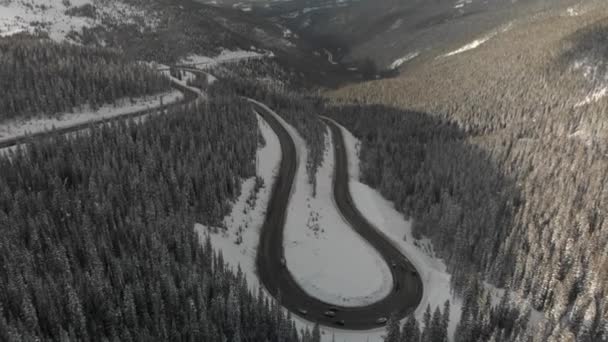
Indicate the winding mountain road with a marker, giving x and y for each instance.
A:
(190, 95)
(406, 292)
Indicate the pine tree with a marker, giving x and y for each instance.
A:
(411, 330)
(316, 333)
(426, 331)
(393, 329)
(445, 320)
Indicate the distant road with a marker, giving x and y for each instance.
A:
(189, 96)
(407, 285)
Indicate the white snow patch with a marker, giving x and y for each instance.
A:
(572, 12)
(400, 61)
(461, 3)
(330, 57)
(397, 24)
(472, 45)
(287, 33)
(49, 15)
(20, 127)
(226, 56)
(211, 79)
(595, 96)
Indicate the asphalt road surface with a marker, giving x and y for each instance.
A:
(189, 96)
(407, 286)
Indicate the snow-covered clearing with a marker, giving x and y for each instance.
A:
(50, 16)
(595, 96)
(326, 257)
(400, 61)
(461, 3)
(226, 56)
(20, 127)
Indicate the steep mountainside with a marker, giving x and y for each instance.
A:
(386, 30)
(156, 30)
(518, 195)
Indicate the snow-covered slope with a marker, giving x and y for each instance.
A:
(323, 253)
(383, 215)
(125, 106)
(60, 17)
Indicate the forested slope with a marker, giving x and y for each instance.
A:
(499, 154)
(271, 84)
(41, 77)
(98, 240)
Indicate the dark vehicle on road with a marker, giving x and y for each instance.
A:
(381, 320)
(340, 322)
(329, 313)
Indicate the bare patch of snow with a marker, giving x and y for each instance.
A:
(324, 255)
(287, 33)
(211, 79)
(595, 96)
(400, 61)
(397, 24)
(330, 57)
(472, 45)
(50, 16)
(226, 56)
(572, 12)
(591, 69)
(462, 3)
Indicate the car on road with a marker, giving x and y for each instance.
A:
(381, 320)
(332, 308)
(303, 312)
(340, 322)
(283, 262)
(329, 313)
(394, 264)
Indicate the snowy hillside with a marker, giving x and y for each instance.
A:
(61, 17)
